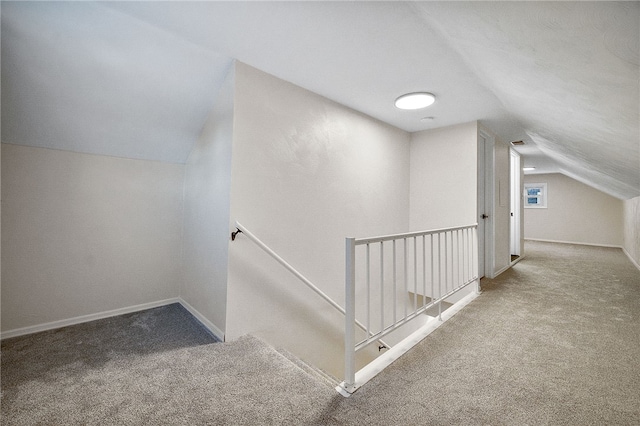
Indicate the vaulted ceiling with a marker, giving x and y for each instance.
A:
(137, 79)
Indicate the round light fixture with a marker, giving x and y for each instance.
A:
(416, 100)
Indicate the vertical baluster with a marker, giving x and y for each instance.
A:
(453, 256)
(454, 260)
(406, 273)
(440, 276)
(449, 271)
(472, 250)
(395, 287)
(469, 253)
(446, 263)
(472, 247)
(460, 255)
(381, 285)
(433, 255)
(459, 263)
(453, 251)
(465, 255)
(424, 271)
(415, 274)
(368, 291)
(450, 262)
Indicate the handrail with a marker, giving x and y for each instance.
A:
(369, 240)
(305, 280)
(290, 268)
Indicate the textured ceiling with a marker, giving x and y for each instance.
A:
(566, 71)
(137, 79)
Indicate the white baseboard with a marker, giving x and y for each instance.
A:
(496, 273)
(517, 260)
(637, 265)
(218, 334)
(573, 242)
(85, 318)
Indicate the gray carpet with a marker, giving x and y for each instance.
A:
(555, 340)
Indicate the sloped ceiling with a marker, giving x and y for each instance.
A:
(84, 77)
(566, 71)
(137, 79)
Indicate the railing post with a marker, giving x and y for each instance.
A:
(350, 315)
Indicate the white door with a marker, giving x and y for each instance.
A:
(485, 205)
(481, 204)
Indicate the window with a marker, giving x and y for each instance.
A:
(535, 195)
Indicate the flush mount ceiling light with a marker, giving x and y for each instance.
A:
(528, 169)
(415, 100)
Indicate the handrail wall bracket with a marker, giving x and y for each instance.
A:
(235, 233)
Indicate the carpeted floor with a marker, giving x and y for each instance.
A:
(158, 366)
(553, 341)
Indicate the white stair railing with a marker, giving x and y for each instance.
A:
(412, 272)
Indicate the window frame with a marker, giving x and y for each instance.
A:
(542, 196)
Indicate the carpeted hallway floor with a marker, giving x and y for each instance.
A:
(553, 341)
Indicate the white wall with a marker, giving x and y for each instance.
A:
(443, 177)
(307, 173)
(84, 234)
(207, 189)
(443, 186)
(631, 223)
(575, 213)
